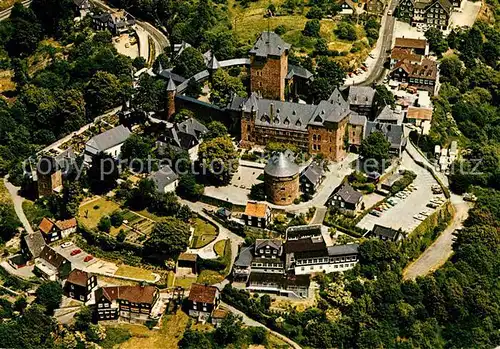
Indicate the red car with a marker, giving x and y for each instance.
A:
(75, 252)
(88, 258)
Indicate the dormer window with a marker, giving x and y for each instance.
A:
(298, 123)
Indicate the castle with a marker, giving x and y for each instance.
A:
(267, 117)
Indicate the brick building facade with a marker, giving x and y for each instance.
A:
(269, 66)
(281, 180)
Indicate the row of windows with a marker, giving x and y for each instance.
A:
(326, 260)
(103, 305)
(422, 81)
(271, 265)
(268, 251)
(336, 266)
(316, 137)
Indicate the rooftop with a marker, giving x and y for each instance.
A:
(348, 194)
(133, 294)
(419, 113)
(340, 250)
(110, 138)
(269, 44)
(78, 277)
(35, 243)
(202, 293)
(410, 43)
(280, 166)
(255, 209)
(303, 231)
(385, 231)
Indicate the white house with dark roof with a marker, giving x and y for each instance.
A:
(165, 178)
(109, 142)
(311, 177)
(346, 199)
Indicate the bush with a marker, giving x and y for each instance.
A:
(346, 31)
(312, 28)
(280, 30)
(116, 219)
(104, 224)
(257, 335)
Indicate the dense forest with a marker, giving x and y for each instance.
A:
(61, 83)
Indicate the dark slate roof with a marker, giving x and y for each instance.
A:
(279, 166)
(393, 133)
(163, 177)
(296, 70)
(385, 231)
(340, 250)
(245, 257)
(35, 243)
(269, 44)
(110, 138)
(261, 243)
(311, 254)
(171, 85)
(184, 135)
(348, 194)
(303, 231)
(279, 114)
(213, 63)
(280, 279)
(304, 245)
(361, 95)
(167, 74)
(356, 119)
(53, 257)
(387, 114)
(330, 111)
(337, 98)
(313, 172)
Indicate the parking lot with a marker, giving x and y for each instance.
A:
(401, 215)
(77, 260)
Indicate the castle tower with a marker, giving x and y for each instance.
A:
(269, 66)
(281, 180)
(171, 90)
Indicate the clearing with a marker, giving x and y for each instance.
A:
(204, 233)
(134, 272)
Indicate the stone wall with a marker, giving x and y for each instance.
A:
(282, 191)
(267, 76)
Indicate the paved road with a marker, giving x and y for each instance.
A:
(439, 252)
(224, 233)
(249, 322)
(386, 33)
(319, 215)
(18, 204)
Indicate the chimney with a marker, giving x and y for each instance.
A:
(271, 109)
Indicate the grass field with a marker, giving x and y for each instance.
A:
(4, 4)
(209, 277)
(219, 247)
(135, 272)
(168, 337)
(91, 213)
(204, 233)
(184, 281)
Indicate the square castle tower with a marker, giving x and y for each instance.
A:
(269, 66)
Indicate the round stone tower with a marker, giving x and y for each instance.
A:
(281, 180)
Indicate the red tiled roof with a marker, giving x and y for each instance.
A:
(419, 113)
(46, 225)
(410, 43)
(399, 54)
(202, 293)
(133, 294)
(66, 224)
(427, 69)
(78, 277)
(255, 209)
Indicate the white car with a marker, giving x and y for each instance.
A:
(389, 13)
(67, 244)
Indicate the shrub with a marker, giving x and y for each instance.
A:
(104, 224)
(116, 219)
(280, 30)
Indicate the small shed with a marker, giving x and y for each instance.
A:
(188, 260)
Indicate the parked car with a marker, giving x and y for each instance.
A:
(470, 197)
(75, 252)
(375, 213)
(67, 244)
(389, 13)
(88, 258)
(432, 205)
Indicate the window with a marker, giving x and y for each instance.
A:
(82, 298)
(194, 306)
(106, 305)
(99, 305)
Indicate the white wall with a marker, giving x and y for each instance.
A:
(326, 267)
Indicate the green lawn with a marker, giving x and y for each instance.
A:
(91, 213)
(204, 233)
(209, 277)
(185, 281)
(219, 247)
